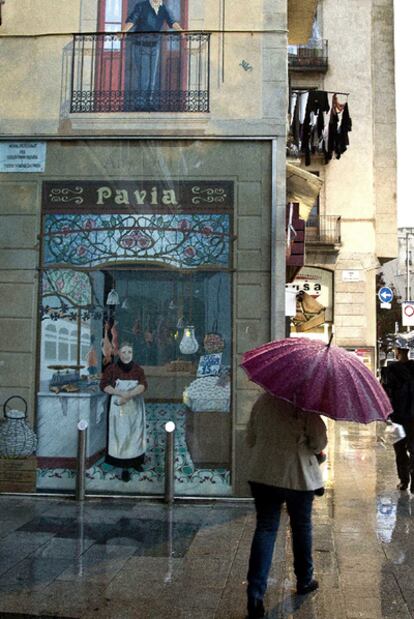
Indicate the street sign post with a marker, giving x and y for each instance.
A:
(385, 294)
(408, 313)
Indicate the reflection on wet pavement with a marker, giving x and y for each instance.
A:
(123, 558)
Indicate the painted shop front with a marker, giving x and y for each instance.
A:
(154, 274)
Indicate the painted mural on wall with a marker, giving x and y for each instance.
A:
(135, 332)
(314, 300)
(141, 60)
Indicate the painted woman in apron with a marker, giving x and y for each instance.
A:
(125, 382)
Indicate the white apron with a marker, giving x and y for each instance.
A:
(127, 437)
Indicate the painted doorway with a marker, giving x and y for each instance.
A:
(122, 62)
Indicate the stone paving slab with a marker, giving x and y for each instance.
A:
(127, 559)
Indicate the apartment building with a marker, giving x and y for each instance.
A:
(352, 226)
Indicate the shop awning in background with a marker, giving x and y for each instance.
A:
(295, 242)
(300, 18)
(302, 187)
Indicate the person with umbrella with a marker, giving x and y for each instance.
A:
(398, 381)
(284, 443)
(302, 377)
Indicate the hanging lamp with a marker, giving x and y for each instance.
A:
(113, 296)
(188, 344)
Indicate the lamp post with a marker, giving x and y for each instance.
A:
(407, 261)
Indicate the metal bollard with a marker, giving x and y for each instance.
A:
(169, 462)
(81, 462)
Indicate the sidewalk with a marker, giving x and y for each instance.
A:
(121, 559)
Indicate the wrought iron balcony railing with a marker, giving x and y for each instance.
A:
(310, 57)
(148, 72)
(323, 229)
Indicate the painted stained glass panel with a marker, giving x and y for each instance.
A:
(182, 241)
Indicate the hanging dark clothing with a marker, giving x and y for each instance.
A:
(338, 140)
(312, 132)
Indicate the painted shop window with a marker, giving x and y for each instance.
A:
(136, 290)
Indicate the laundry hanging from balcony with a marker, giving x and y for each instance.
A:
(318, 125)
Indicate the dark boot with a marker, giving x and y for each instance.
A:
(305, 589)
(125, 475)
(255, 608)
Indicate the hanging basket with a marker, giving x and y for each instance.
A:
(17, 439)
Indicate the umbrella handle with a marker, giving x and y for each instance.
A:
(330, 340)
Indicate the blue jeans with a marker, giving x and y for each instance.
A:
(268, 502)
(142, 73)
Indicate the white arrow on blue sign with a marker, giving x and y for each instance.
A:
(385, 295)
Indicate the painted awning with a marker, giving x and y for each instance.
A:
(302, 187)
(295, 242)
(300, 18)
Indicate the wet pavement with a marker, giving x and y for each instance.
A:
(121, 559)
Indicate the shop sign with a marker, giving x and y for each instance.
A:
(365, 355)
(209, 365)
(22, 157)
(319, 284)
(141, 195)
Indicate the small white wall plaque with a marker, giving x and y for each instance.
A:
(22, 157)
(351, 276)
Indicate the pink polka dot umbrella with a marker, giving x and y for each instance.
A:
(318, 377)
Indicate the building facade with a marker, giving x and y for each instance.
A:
(142, 202)
(399, 272)
(352, 227)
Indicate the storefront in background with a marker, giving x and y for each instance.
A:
(313, 288)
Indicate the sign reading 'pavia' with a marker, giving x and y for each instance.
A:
(22, 156)
(145, 195)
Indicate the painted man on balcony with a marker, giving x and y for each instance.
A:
(143, 54)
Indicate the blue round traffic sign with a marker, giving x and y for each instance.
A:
(385, 294)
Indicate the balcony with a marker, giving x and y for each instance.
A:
(148, 72)
(323, 231)
(310, 57)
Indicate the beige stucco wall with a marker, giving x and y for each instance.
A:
(361, 62)
(360, 187)
(249, 100)
(19, 225)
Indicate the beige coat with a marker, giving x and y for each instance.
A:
(283, 442)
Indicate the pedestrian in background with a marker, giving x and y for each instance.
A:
(398, 382)
(284, 443)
